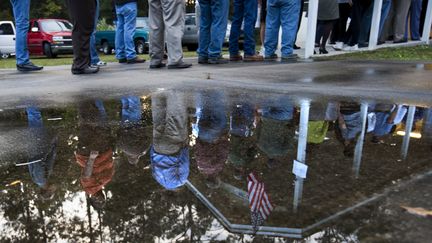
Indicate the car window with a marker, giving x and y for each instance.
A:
(65, 25)
(142, 23)
(6, 29)
(55, 25)
(190, 20)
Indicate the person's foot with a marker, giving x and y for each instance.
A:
(135, 60)
(323, 51)
(29, 67)
(361, 45)
(296, 47)
(100, 63)
(180, 65)
(350, 48)
(253, 58)
(203, 60)
(290, 57)
(272, 57)
(217, 60)
(400, 41)
(86, 70)
(159, 65)
(122, 60)
(235, 58)
(381, 42)
(338, 46)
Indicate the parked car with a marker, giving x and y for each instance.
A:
(190, 36)
(105, 40)
(50, 37)
(7, 39)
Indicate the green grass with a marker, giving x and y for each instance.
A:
(414, 53)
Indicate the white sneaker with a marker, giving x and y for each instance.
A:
(339, 46)
(350, 48)
(101, 63)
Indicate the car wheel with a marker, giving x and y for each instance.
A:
(106, 48)
(192, 47)
(5, 55)
(48, 51)
(140, 46)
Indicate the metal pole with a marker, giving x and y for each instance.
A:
(408, 128)
(301, 150)
(376, 18)
(359, 146)
(428, 23)
(311, 28)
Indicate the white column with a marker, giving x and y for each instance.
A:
(428, 23)
(359, 145)
(301, 150)
(311, 28)
(408, 128)
(376, 18)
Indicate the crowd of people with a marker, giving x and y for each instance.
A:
(400, 20)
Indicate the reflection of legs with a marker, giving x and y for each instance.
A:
(157, 29)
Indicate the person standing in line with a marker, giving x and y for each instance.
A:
(401, 8)
(358, 9)
(263, 15)
(339, 33)
(82, 14)
(213, 25)
(415, 13)
(299, 23)
(281, 13)
(244, 10)
(167, 19)
(328, 14)
(94, 57)
(21, 11)
(126, 11)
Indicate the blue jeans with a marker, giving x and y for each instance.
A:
(93, 52)
(415, 12)
(213, 25)
(21, 10)
(281, 13)
(126, 23)
(247, 10)
(367, 21)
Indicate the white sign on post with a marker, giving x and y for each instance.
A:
(300, 169)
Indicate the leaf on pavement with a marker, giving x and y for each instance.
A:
(418, 211)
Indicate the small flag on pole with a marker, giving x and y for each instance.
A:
(259, 202)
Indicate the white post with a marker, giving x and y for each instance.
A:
(376, 18)
(408, 128)
(359, 145)
(428, 23)
(311, 28)
(301, 150)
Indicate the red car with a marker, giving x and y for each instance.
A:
(50, 37)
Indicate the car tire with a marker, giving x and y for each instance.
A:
(48, 51)
(140, 46)
(106, 49)
(5, 55)
(192, 47)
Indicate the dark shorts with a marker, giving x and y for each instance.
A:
(263, 11)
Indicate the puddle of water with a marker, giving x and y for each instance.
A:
(208, 165)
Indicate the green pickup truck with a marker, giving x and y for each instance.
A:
(105, 40)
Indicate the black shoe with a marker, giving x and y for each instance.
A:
(217, 60)
(295, 47)
(272, 57)
(381, 42)
(290, 57)
(29, 67)
(87, 70)
(400, 41)
(122, 60)
(159, 65)
(179, 65)
(203, 60)
(323, 51)
(135, 60)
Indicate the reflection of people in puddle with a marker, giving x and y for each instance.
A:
(41, 154)
(132, 138)
(169, 154)
(386, 116)
(211, 149)
(348, 127)
(94, 153)
(276, 129)
(243, 149)
(320, 116)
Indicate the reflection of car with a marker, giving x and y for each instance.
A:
(7, 38)
(50, 37)
(190, 36)
(106, 39)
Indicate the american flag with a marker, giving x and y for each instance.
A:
(259, 201)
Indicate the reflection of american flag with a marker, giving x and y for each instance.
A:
(259, 201)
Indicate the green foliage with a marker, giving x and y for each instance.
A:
(103, 25)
